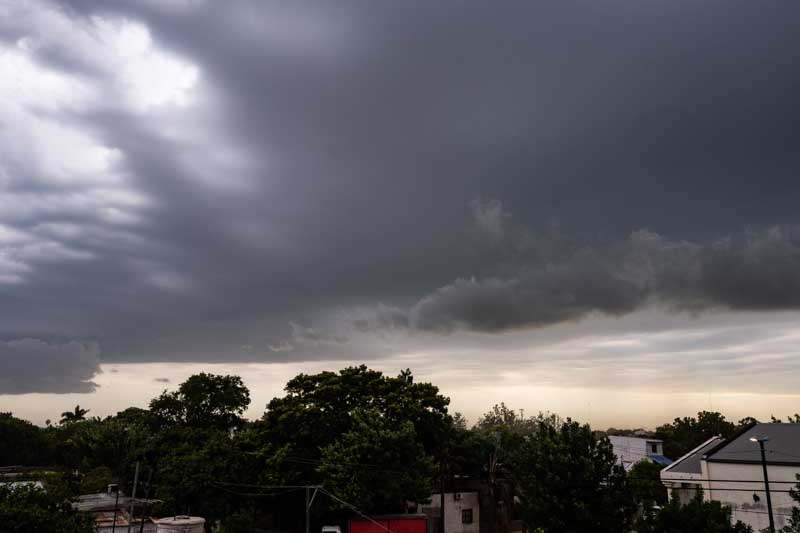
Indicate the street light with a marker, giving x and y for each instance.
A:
(761, 441)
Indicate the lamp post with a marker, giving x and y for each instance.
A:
(761, 441)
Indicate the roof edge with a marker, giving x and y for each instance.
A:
(691, 452)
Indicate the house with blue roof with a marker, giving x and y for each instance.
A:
(631, 450)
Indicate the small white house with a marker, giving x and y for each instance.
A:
(461, 511)
(631, 450)
(731, 472)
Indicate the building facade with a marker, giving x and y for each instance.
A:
(631, 450)
(731, 472)
(461, 511)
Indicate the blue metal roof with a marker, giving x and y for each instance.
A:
(660, 459)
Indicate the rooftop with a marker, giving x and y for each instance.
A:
(690, 463)
(783, 446)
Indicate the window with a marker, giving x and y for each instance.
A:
(654, 448)
(466, 516)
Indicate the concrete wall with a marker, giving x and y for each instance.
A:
(453, 511)
(746, 480)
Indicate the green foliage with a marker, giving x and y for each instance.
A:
(22, 443)
(204, 401)
(377, 465)
(238, 522)
(685, 434)
(697, 516)
(318, 409)
(793, 525)
(75, 415)
(638, 432)
(645, 484)
(96, 480)
(499, 435)
(193, 442)
(190, 463)
(569, 481)
(32, 510)
(791, 419)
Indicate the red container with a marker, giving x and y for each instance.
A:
(401, 523)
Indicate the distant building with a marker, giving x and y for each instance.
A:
(462, 511)
(631, 450)
(730, 471)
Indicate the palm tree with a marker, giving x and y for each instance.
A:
(74, 416)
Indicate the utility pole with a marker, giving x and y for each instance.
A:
(309, 500)
(146, 497)
(116, 506)
(761, 441)
(133, 496)
(441, 495)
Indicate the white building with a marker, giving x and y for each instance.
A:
(461, 511)
(631, 450)
(685, 476)
(731, 472)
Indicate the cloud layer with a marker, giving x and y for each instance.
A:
(31, 365)
(199, 182)
(749, 271)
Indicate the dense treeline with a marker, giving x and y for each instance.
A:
(375, 441)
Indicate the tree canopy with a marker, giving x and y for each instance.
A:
(685, 434)
(569, 481)
(74, 416)
(204, 401)
(697, 516)
(27, 508)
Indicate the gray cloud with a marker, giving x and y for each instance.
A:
(750, 271)
(199, 178)
(32, 365)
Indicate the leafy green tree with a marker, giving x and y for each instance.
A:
(74, 416)
(685, 434)
(204, 401)
(496, 438)
(791, 419)
(697, 516)
(569, 481)
(644, 479)
(319, 409)
(194, 443)
(28, 509)
(22, 443)
(378, 464)
(190, 465)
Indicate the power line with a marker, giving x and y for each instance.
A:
(357, 510)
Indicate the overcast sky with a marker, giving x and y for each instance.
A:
(556, 204)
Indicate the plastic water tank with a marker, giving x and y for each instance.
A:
(180, 524)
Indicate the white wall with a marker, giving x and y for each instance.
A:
(631, 450)
(453, 508)
(747, 479)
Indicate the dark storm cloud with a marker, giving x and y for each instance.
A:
(325, 156)
(32, 365)
(748, 271)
